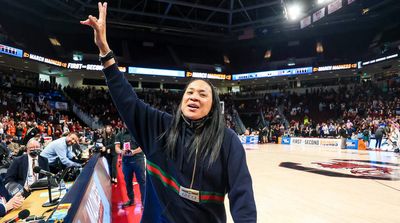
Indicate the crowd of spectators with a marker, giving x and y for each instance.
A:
(98, 104)
(342, 111)
(350, 111)
(26, 113)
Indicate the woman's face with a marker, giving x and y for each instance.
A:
(197, 100)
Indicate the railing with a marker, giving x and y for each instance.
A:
(285, 121)
(84, 116)
(87, 119)
(239, 126)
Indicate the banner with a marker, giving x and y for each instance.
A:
(61, 105)
(380, 59)
(158, 72)
(319, 14)
(45, 60)
(95, 205)
(248, 139)
(305, 22)
(285, 140)
(351, 144)
(322, 142)
(334, 6)
(273, 73)
(208, 75)
(336, 67)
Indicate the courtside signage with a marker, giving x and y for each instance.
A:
(336, 143)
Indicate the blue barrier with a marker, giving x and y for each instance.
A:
(351, 144)
(285, 140)
(248, 139)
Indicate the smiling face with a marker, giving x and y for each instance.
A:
(197, 100)
(72, 139)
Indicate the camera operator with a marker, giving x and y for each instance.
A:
(59, 153)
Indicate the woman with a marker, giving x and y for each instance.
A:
(192, 159)
(110, 152)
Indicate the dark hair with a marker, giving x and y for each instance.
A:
(208, 134)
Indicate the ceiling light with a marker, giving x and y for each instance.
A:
(319, 47)
(321, 2)
(226, 59)
(54, 41)
(294, 11)
(267, 54)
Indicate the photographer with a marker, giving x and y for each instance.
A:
(132, 163)
(59, 153)
(110, 152)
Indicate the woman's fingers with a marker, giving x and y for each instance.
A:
(86, 22)
(102, 11)
(99, 27)
(91, 21)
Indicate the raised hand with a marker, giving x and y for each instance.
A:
(99, 28)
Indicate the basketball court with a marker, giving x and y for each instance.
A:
(314, 184)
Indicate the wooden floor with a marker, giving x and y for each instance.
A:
(310, 184)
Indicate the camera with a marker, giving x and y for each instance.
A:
(97, 147)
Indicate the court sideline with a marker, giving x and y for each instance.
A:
(310, 184)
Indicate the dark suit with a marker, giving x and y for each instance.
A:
(3, 193)
(18, 170)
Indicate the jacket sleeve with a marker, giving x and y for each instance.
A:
(64, 157)
(111, 143)
(240, 188)
(3, 193)
(45, 163)
(2, 209)
(12, 172)
(145, 123)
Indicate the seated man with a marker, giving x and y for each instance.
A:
(7, 202)
(21, 169)
(59, 153)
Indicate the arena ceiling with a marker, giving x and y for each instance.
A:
(219, 24)
(217, 20)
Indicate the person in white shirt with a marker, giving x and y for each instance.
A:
(59, 153)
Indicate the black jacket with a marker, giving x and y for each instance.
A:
(228, 175)
(18, 170)
(3, 193)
